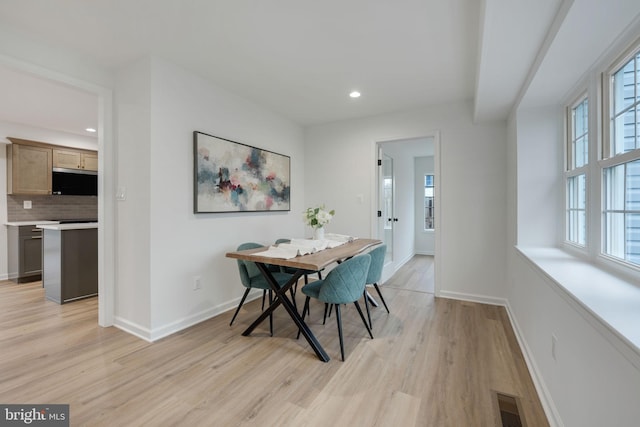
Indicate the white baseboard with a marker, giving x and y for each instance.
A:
(180, 324)
(483, 299)
(545, 397)
(430, 253)
(132, 328)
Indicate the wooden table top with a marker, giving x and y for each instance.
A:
(313, 262)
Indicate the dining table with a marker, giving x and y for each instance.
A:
(302, 264)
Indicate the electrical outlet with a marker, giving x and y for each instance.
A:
(196, 283)
(554, 346)
(26, 204)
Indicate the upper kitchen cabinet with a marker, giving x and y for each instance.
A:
(75, 159)
(29, 166)
(90, 161)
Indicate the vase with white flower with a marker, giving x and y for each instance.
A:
(317, 218)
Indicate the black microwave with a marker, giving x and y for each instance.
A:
(72, 182)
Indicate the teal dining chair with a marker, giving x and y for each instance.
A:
(343, 285)
(374, 274)
(252, 278)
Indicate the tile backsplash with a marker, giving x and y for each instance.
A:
(51, 207)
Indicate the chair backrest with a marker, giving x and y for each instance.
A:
(377, 262)
(345, 283)
(248, 269)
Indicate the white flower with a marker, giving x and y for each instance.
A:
(317, 217)
(324, 217)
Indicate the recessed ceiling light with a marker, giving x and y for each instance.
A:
(355, 94)
(90, 130)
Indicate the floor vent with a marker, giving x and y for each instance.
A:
(509, 411)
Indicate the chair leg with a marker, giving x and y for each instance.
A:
(304, 313)
(381, 297)
(326, 308)
(366, 304)
(363, 319)
(270, 314)
(339, 319)
(246, 292)
(264, 295)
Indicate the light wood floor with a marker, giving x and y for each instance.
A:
(433, 362)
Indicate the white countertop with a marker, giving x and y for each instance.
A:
(73, 226)
(34, 222)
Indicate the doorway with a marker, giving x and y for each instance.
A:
(401, 202)
(106, 244)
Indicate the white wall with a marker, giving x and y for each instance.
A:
(133, 215)
(162, 244)
(425, 239)
(539, 157)
(340, 165)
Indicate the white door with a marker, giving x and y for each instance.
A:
(386, 218)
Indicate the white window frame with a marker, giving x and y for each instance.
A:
(433, 199)
(571, 172)
(608, 160)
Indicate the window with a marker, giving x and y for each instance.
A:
(576, 209)
(621, 163)
(576, 178)
(428, 203)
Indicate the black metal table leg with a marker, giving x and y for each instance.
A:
(281, 298)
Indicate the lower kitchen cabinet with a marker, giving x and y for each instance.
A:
(24, 253)
(70, 263)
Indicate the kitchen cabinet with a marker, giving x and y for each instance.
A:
(90, 161)
(70, 261)
(75, 159)
(24, 257)
(29, 166)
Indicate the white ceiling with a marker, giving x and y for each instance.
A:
(299, 58)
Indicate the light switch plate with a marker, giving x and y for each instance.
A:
(121, 194)
(26, 204)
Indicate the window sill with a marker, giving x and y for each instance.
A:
(612, 301)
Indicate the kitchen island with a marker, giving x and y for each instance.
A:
(70, 261)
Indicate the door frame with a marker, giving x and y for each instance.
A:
(375, 200)
(106, 163)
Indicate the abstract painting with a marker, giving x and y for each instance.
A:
(234, 177)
